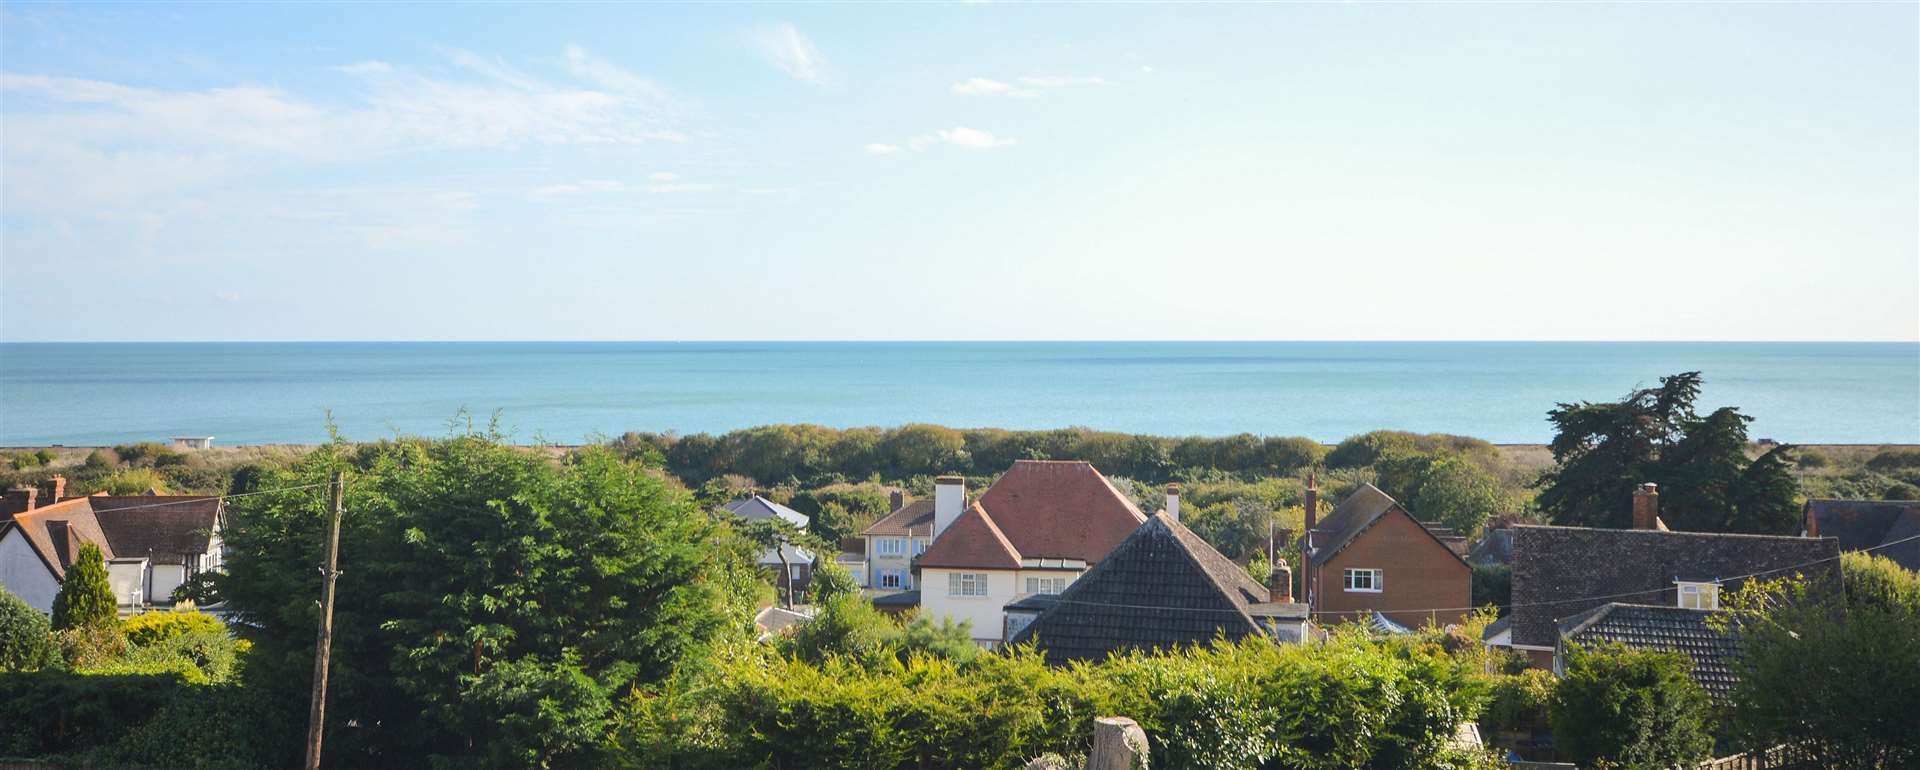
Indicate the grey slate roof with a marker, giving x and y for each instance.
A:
(912, 519)
(1863, 524)
(756, 508)
(1160, 587)
(1560, 572)
(1359, 511)
(1670, 629)
(165, 527)
(1496, 547)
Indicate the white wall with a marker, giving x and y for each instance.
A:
(988, 613)
(163, 579)
(128, 579)
(22, 572)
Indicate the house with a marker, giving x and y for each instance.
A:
(792, 564)
(1040, 525)
(192, 442)
(1561, 574)
(152, 544)
(1683, 630)
(1494, 549)
(1370, 555)
(1890, 528)
(894, 541)
(853, 559)
(1160, 588)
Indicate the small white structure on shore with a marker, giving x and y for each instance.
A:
(192, 442)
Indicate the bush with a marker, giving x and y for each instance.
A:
(102, 460)
(150, 628)
(1631, 709)
(132, 481)
(1890, 460)
(217, 727)
(1493, 585)
(51, 712)
(26, 638)
(145, 450)
(1520, 703)
(1901, 491)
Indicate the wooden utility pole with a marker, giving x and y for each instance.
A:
(317, 714)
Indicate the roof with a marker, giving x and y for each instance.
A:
(1358, 512)
(1670, 629)
(1496, 627)
(973, 540)
(1863, 524)
(896, 599)
(757, 508)
(1032, 603)
(57, 531)
(1496, 547)
(775, 620)
(1559, 572)
(165, 527)
(1160, 587)
(1049, 510)
(914, 519)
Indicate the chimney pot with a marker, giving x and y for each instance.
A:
(896, 499)
(1173, 501)
(1646, 507)
(59, 489)
(1280, 583)
(949, 499)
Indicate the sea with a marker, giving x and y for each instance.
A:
(81, 394)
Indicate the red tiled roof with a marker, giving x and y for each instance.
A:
(81, 527)
(973, 540)
(1060, 509)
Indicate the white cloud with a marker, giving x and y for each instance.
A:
(365, 68)
(585, 65)
(793, 53)
(882, 149)
(227, 296)
(663, 176)
(1061, 81)
(958, 136)
(989, 86)
(657, 183)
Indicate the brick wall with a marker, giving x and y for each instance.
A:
(1420, 573)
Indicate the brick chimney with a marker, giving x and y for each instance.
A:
(1173, 501)
(949, 500)
(19, 500)
(896, 499)
(1646, 507)
(1280, 583)
(59, 489)
(1312, 505)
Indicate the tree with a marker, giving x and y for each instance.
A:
(86, 599)
(779, 537)
(1443, 487)
(830, 580)
(1837, 675)
(488, 593)
(1602, 451)
(1260, 569)
(1632, 709)
(26, 639)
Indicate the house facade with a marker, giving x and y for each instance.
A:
(1370, 557)
(1036, 530)
(894, 541)
(152, 544)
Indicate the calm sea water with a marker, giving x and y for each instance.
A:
(247, 393)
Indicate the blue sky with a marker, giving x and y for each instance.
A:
(965, 171)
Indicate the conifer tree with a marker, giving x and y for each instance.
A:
(86, 598)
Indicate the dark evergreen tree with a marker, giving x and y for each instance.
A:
(86, 598)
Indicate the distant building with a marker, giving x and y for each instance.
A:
(791, 565)
(894, 541)
(1890, 528)
(192, 442)
(1161, 587)
(1665, 628)
(1371, 556)
(1040, 525)
(152, 544)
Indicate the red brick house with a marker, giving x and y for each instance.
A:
(1371, 556)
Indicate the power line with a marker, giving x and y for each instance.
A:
(191, 499)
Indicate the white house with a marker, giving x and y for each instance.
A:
(152, 544)
(1041, 525)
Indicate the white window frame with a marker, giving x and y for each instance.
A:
(1375, 580)
(1046, 585)
(967, 585)
(919, 546)
(794, 572)
(1692, 595)
(890, 546)
(891, 578)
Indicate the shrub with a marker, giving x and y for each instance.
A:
(132, 481)
(86, 598)
(831, 580)
(26, 460)
(1890, 460)
(145, 450)
(1901, 491)
(1520, 702)
(150, 628)
(102, 460)
(1631, 709)
(52, 712)
(26, 639)
(1493, 585)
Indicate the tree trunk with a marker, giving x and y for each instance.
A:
(1118, 744)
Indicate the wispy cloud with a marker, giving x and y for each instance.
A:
(958, 136)
(657, 183)
(793, 53)
(1023, 87)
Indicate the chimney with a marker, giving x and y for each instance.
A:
(1312, 505)
(59, 489)
(1813, 523)
(1173, 501)
(1646, 507)
(64, 548)
(1280, 583)
(896, 500)
(19, 500)
(949, 499)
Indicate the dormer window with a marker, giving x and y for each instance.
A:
(1698, 594)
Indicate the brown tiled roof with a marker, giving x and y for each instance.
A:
(914, 519)
(56, 532)
(1863, 524)
(1161, 587)
(973, 540)
(164, 527)
(1495, 547)
(1670, 629)
(1358, 512)
(1560, 572)
(1060, 509)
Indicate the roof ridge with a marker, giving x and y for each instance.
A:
(1174, 527)
(1668, 532)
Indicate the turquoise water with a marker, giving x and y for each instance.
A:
(248, 393)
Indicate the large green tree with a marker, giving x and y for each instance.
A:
(1631, 709)
(1602, 451)
(1835, 675)
(26, 639)
(493, 599)
(86, 598)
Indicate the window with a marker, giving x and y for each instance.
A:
(966, 584)
(1368, 580)
(919, 546)
(1699, 596)
(892, 578)
(1046, 585)
(891, 546)
(796, 572)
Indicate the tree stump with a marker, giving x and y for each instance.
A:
(1118, 744)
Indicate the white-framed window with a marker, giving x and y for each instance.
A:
(1699, 596)
(1052, 585)
(966, 584)
(890, 546)
(893, 578)
(796, 572)
(1364, 580)
(919, 546)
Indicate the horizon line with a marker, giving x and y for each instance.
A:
(747, 340)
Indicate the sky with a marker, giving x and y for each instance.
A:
(974, 171)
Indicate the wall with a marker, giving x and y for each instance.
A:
(162, 580)
(23, 573)
(129, 581)
(987, 613)
(1420, 573)
(877, 563)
